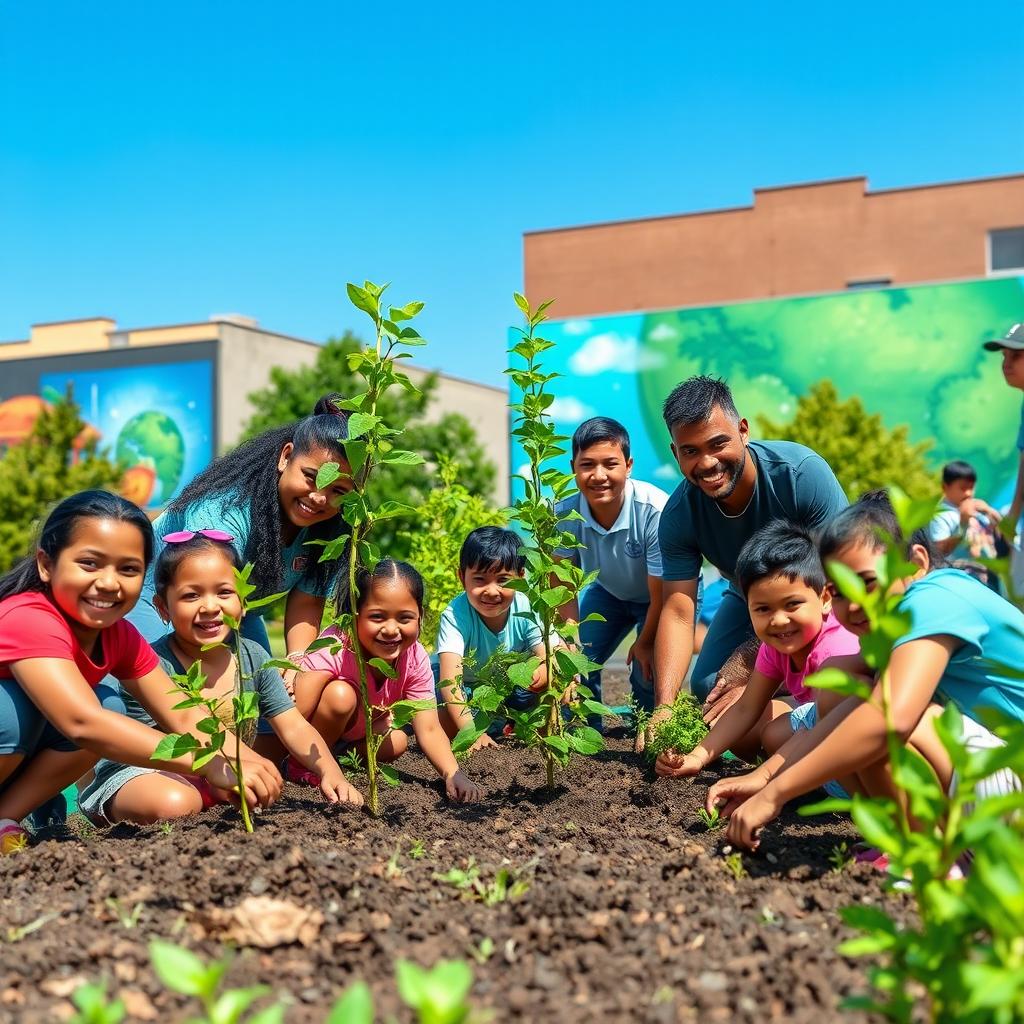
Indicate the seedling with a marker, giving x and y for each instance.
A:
(734, 862)
(391, 869)
(351, 763)
(483, 951)
(555, 722)
(94, 1006)
(370, 444)
(681, 731)
(128, 919)
(182, 971)
(244, 703)
(418, 849)
(506, 884)
(712, 819)
(839, 856)
(16, 934)
(167, 827)
(768, 916)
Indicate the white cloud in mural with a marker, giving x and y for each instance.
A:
(604, 352)
(667, 471)
(576, 326)
(663, 332)
(524, 471)
(568, 409)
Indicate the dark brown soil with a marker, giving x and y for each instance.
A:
(631, 912)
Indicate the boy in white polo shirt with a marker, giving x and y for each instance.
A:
(619, 531)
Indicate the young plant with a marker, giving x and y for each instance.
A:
(682, 731)
(734, 862)
(711, 819)
(555, 721)
(128, 919)
(371, 443)
(964, 950)
(436, 995)
(839, 857)
(506, 884)
(184, 972)
(245, 707)
(418, 849)
(94, 1006)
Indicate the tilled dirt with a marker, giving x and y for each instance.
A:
(631, 912)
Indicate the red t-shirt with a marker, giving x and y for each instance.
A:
(32, 627)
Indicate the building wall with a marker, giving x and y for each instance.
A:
(793, 241)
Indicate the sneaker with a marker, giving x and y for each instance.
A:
(13, 838)
(294, 772)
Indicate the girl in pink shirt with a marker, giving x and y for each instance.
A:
(388, 610)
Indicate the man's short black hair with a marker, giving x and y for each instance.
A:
(693, 400)
(780, 549)
(958, 470)
(597, 430)
(492, 548)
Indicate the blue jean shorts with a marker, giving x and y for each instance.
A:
(805, 716)
(24, 729)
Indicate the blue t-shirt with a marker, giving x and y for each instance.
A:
(1020, 431)
(980, 674)
(625, 554)
(793, 483)
(234, 516)
(462, 629)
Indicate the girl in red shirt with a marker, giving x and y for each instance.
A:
(62, 630)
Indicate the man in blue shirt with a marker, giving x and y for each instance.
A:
(732, 487)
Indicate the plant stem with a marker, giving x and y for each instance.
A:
(243, 806)
(364, 688)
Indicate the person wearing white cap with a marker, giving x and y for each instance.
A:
(1012, 347)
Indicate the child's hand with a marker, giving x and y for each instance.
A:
(747, 820)
(642, 652)
(483, 741)
(262, 779)
(671, 765)
(732, 792)
(461, 790)
(338, 789)
(540, 678)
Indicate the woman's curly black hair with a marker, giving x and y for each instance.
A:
(250, 472)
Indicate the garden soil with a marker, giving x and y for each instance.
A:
(631, 911)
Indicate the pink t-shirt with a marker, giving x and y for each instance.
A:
(415, 680)
(32, 627)
(833, 641)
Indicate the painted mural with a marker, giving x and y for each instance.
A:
(913, 355)
(157, 419)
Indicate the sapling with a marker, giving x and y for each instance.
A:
(216, 725)
(965, 949)
(94, 1006)
(418, 849)
(711, 819)
(734, 862)
(556, 722)
(371, 443)
(839, 857)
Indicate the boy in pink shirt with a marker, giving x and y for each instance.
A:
(790, 605)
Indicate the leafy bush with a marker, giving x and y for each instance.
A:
(681, 732)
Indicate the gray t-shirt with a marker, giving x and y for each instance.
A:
(625, 554)
(793, 483)
(267, 682)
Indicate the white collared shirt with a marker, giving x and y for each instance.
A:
(625, 554)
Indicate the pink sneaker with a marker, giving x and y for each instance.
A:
(294, 772)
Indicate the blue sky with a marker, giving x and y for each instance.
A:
(159, 163)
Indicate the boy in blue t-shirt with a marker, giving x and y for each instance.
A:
(483, 618)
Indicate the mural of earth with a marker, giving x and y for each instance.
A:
(152, 439)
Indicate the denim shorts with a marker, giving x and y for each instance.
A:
(805, 716)
(24, 729)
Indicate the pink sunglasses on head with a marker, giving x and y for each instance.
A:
(181, 536)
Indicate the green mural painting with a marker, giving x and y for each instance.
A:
(911, 354)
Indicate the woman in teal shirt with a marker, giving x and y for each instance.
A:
(264, 494)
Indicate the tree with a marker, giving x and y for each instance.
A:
(293, 393)
(50, 464)
(862, 451)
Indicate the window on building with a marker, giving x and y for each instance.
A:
(870, 282)
(1006, 250)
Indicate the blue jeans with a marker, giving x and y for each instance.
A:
(729, 628)
(601, 639)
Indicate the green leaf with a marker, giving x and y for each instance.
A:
(402, 458)
(838, 681)
(437, 995)
(354, 1007)
(875, 820)
(280, 663)
(849, 583)
(384, 668)
(175, 745)
(521, 302)
(355, 453)
(262, 602)
(327, 474)
(404, 711)
(388, 774)
(230, 1006)
(837, 805)
(362, 299)
(558, 743)
(271, 1015)
(360, 423)
(585, 740)
(204, 757)
(181, 970)
(390, 509)
(209, 725)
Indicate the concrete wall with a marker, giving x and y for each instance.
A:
(792, 241)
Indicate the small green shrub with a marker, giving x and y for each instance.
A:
(682, 731)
